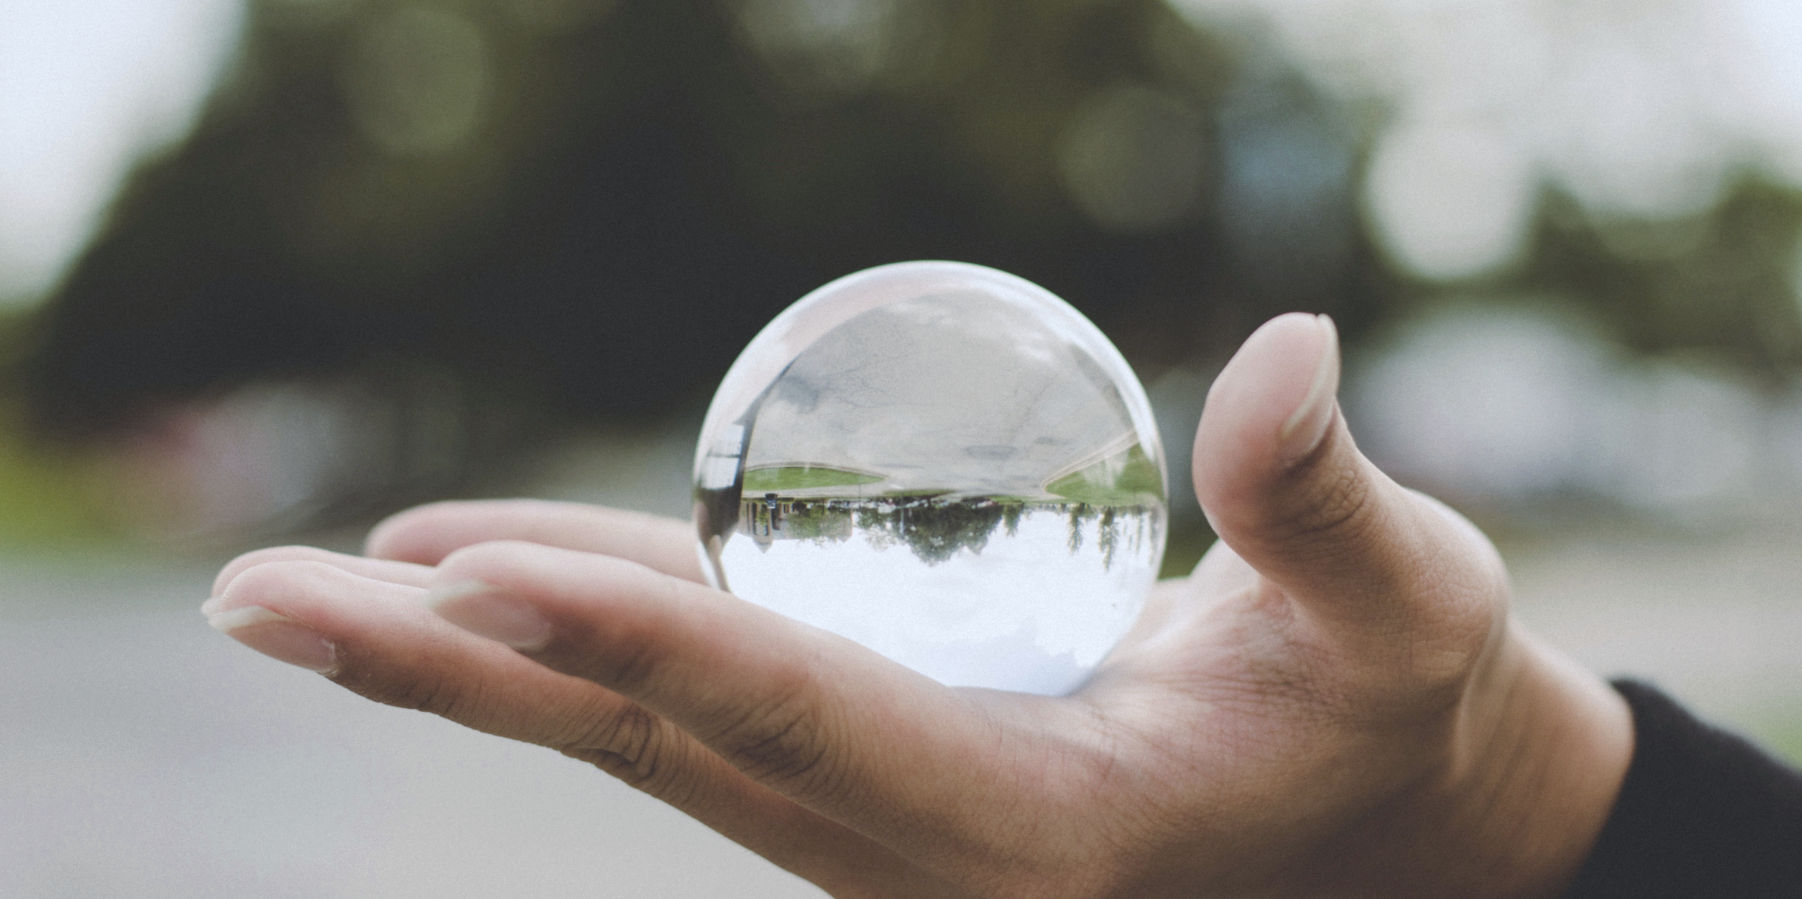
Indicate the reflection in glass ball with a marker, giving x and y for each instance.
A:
(945, 463)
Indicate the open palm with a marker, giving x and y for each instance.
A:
(1333, 703)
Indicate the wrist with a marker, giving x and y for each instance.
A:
(1539, 773)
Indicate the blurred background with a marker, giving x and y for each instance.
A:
(270, 269)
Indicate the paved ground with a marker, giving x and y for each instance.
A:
(1716, 620)
(144, 755)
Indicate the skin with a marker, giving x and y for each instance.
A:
(1335, 703)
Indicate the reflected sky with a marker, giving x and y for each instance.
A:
(953, 390)
(1028, 611)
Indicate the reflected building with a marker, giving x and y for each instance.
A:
(773, 518)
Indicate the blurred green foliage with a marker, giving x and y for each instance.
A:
(603, 213)
(1787, 741)
(49, 499)
(556, 212)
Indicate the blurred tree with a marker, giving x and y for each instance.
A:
(564, 210)
(588, 213)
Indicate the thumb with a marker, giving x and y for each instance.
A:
(1283, 484)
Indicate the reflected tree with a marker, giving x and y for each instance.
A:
(878, 525)
(935, 529)
(1107, 536)
(821, 522)
(1079, 512)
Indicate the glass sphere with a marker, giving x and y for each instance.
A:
(945, 463)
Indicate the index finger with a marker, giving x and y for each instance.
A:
(426, 534)
(829, 724)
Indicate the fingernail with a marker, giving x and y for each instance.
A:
(276, 636)
(483, 610)
(1303, 430)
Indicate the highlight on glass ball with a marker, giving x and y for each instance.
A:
(945, 463)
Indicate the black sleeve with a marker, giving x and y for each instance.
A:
(1701, 813)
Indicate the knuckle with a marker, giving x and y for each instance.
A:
(639, 651)
(427, 693)
(783, 742)
(406, 534)
(484, 558)
(630, 665)
(779, 744)
(1332, 504)
(274, 575)
(250, 561)
(628, 743)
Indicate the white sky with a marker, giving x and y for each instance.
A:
(85, 88)
(1025, 613)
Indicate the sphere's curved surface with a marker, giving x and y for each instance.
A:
(945, 463)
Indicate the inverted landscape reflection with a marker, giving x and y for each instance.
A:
(944, 463)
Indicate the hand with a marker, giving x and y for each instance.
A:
(1334, 703)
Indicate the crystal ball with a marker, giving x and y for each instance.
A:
(945, 463)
